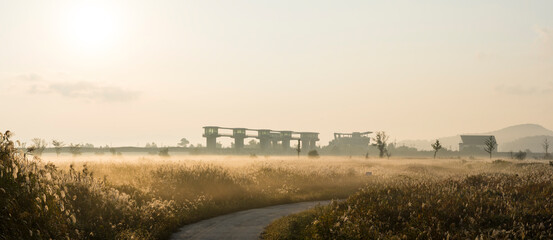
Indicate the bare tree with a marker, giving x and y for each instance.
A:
(58, 145)
(491, 144)
(38, 146)
(75, 149)
(388, 153)
(436, 146)
(546, 148)
(380, 142)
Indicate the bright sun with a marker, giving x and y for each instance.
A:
(91, 27)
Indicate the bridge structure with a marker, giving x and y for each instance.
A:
(267, 138)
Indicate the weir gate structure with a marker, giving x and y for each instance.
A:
(360, 139)
(267, 137)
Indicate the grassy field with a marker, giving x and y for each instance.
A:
(149, 197)
(480, 199)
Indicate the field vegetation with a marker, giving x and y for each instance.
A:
(79, 196)
(134, 196)
(482, 200)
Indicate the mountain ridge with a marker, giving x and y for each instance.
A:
(508, 138)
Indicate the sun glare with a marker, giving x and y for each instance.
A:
(91, 27)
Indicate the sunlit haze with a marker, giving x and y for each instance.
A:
(125, 73)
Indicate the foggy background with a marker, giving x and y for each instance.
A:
(131, 72)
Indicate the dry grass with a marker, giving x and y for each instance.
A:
(463, 200)
(148, 197)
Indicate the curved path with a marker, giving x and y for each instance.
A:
(248, 224)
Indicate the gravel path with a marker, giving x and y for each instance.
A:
(248, 224)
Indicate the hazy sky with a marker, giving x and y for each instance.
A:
(127, 72)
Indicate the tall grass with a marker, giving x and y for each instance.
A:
(146, 199)
(508, 201)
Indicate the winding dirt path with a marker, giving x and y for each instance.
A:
(248, 224)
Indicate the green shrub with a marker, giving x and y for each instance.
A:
(520, 155)
(313, 154)
(164, 152)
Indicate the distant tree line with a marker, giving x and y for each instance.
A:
(379, 143)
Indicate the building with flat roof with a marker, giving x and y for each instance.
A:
(350, 143)
(475, 143)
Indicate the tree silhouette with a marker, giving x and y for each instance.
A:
(183, 142)
(546, 148)
(436, 146)
(58, 145)
(491, 144)
(388, 153)
(38, 146)
(380, 142)
(75, 149)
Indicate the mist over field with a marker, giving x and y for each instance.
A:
(137, 119)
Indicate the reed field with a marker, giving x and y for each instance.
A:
(133, 196)
(494, 200)
(212, 119)
(149, 197)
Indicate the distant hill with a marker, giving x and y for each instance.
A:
(533, 143)
(510, 134)
(509, 139)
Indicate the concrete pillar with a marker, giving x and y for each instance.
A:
(312, 144)
(285, 137)
(285, 144)
(238, 142)
(211, 142)
(305, 144)
(238, 134)
(264, 136)
(264, 143)
(275, 143)
(211, 133)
